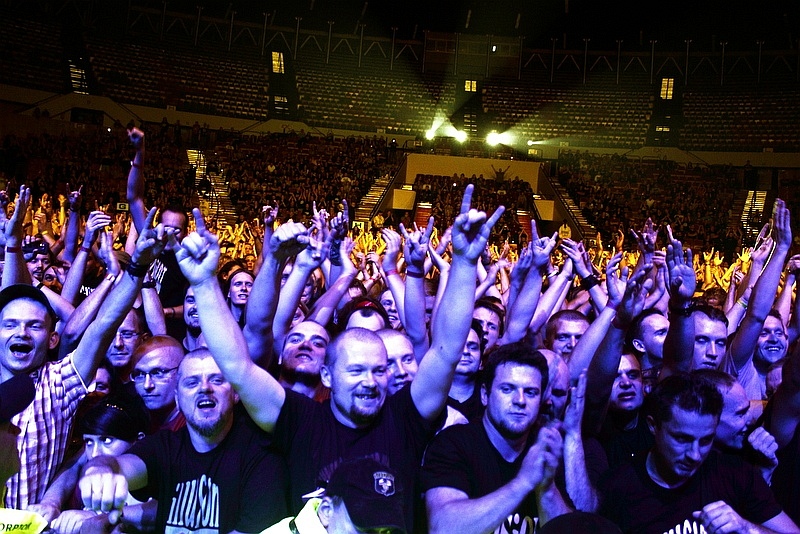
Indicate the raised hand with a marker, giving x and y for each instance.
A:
(471, 229)
(152, 241)
(392, 254)
(13, 228)
(680, 274)
(647, 238)
(782, 227)
(574, 413)
(759, 255)
(288, 240)
(136, 137)
(74, 198)
(106, 253)
(97, 221)
(635, 297)
(578, 255)
(198, 253)
(415, 244)
(523, 265)
(340, 224)
(615, 281)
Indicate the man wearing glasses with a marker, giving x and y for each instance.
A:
(154, 376)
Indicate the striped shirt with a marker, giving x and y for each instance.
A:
(46, 425)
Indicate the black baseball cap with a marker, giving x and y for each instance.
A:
(16, 394)
(371, 492)
(26, 291)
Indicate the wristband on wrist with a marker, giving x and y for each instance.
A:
(414, 274)
(137, 270)
(616, 324)
(390, 271)
(334, 254)
(681, 311)
(741, 302)
(86, 249)
(149, 284)
(553, 273)
(13, 249)
(39, 285)
(589, 282)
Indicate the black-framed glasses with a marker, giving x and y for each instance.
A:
(157, 375)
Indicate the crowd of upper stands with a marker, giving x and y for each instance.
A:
(334, 93)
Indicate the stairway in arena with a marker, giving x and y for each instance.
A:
(212, 194)
(524, 220)
(587, 231)
(423, 212)
(367, 204)
(753, 212)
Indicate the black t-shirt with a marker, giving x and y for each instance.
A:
(171, 286)
(622, 444)
(462, 457)
(786, 478)
(240, 484)
(315, 443)
(633, 501)
(472, 408)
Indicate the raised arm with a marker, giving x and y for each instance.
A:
(579, 488)
(263, 299)
(470, 233)
(322, 310)
(583, 268)
(681, 282)
(415, 247)
(392, 278)
(72, 228)
(15, 271)
(261, 394)
(306, 262)
(72, 285)
(763, 295)
(135, 191)
(524, 306)
(115, 307)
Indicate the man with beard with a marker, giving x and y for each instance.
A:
(496, 474)
(215, 475)
(359, 420)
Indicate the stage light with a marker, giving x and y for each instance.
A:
(430, 134)
(530, 142)
(493, 139)
(461, 136)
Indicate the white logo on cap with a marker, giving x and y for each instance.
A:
(384, 483)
